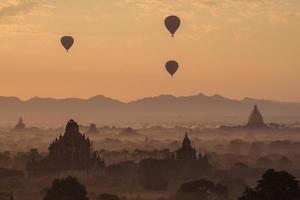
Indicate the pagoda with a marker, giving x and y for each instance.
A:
(20, 125)
(186, 152)
(256, 119)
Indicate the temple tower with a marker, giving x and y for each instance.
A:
(186, 152)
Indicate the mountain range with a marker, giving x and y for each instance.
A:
(164, 108)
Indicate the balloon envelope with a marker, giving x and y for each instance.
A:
(172, 67)
(172, 23)
(67, 42)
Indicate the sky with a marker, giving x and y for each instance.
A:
(235, 48)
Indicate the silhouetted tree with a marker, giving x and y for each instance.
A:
(201, 189)
(106, 196)
(66, 189)
(274, 185)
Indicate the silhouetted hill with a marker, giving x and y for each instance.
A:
(164, 108)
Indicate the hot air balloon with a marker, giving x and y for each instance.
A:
(172, 23)
(67, 42)
(172, 67)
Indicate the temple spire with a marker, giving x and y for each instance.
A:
(186, 152)
(186, 140)
(20, 125)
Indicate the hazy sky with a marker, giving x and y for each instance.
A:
(235, 48)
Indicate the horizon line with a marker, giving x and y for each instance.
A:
(145, 97)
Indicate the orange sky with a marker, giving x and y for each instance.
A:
(235, 48)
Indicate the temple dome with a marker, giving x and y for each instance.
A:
(72, 127)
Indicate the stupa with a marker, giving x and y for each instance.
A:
(256, 119)
(20, 125)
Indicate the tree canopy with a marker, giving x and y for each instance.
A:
(201, 189)
(274, 185)
(106, 196)
(66, 189)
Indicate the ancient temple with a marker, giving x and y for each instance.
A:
(73, 148)
(186, 152)
(92, 128)
(256, 120)
(20, 125)
(72, 151)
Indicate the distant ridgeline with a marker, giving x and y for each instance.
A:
(163, 109)
(73, 152)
